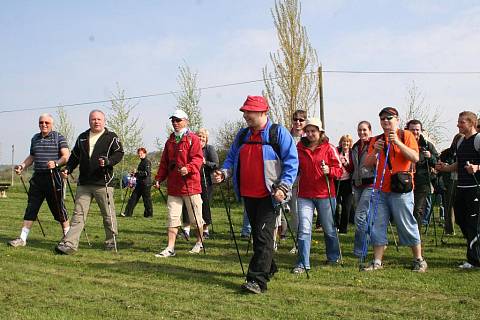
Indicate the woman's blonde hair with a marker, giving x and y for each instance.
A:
(203, 131)
(346, 137)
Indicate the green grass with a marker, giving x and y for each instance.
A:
(133, 284)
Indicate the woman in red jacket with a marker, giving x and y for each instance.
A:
(318, 159)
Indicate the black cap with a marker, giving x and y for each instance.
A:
(389, 110)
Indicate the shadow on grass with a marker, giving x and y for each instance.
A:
(183, 273)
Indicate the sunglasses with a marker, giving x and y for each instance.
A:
(43, 122)
(298, 119)
(386, 118)
(176, 120)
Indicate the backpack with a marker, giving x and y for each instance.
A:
(272, 138)
(476, 142)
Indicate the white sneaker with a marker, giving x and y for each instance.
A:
(17, 243)
(196, 248)
(467, 266)
(293, 250)
(166, 253)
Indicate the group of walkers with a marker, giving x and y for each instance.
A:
(376, 181)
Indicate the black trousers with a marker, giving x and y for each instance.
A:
(345, 202)
(41, 188)
(206, 200)
(466, 216)
(262, 218)
(144, 191)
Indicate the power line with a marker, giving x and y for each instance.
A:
(393, 72)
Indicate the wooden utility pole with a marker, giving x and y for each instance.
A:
(13, 155)
(320, 95)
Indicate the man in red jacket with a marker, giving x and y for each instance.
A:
(181, 161)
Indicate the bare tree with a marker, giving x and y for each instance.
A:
(434, 128)
(225, 136)
(293, 83)
(126, 125)
(64, 126)
(189, 97)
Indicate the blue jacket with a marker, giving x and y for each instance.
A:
(276, 170)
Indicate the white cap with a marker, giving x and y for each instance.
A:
(315, 122)
(179, 114)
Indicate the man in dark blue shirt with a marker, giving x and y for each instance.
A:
(48, 150)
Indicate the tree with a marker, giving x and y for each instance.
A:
(126, 125)
(189, 97)
(226, 135)
(433, 127)
(64, 126)
(293, 83)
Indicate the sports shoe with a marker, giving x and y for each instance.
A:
(206, 235)
(64, 249)
(275, 246)
(166, 253)
(252, 287)
(467, 266)
(298, 270)
(245, 236)
(17, 243)
(196, 248)
(419, 265)
(332, 263)
(109, 246)
(372, 266)
(122, 214)
(293, 250)
(186, 235)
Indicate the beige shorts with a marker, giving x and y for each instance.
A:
(175, 204)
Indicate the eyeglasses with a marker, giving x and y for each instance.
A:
(43, 122)
(386, 118)
(176, 120)
(298, 119)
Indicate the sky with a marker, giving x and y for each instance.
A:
(65, 52)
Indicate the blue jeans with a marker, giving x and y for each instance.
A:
(362, 201)
(305, 217)
(246, 227)
(400, 206)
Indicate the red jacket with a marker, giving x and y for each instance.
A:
(187, 153)
(312, 183)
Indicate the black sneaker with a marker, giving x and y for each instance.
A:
(252, 287)
(245, 236)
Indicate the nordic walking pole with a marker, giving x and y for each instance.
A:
(83, 216)
(295, 239)
(57, 202)
(110, 210)
(231, 227)
(249, 242)
(194, 214)
(333, 213)
(371, 218)
(394, 237)
(26, 191)
(432, 217)
(206, 198)
(124, 198)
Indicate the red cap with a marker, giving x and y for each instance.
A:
(255, 103)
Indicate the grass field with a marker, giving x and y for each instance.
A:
(133, 284)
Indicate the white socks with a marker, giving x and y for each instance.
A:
(65, 230)
(24, 234)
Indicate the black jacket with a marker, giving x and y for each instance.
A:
(211, 163)
(108, 145)
(144, 172)
(423, 165)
